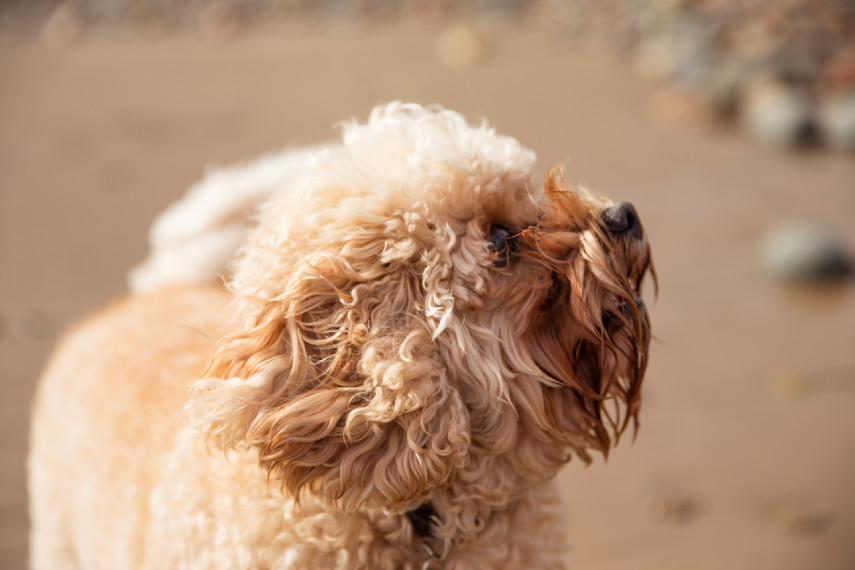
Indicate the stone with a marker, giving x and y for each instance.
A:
(838, 74)
(773, 113)
(676, 509)
(460, 46)
(792, 520)
(220, 21)
(836, 121)
(802, 253)
(789, 385)
(63, 28)
(29, 326)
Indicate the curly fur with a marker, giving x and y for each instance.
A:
(379, 353)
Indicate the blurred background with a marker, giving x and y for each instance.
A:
(730, 124)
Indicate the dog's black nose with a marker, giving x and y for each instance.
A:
(622, 219)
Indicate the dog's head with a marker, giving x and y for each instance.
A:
(418, 314)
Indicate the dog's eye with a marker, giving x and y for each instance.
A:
(502, 243)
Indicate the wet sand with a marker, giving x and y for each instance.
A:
(744, 459)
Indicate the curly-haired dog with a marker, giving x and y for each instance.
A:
(418, 337)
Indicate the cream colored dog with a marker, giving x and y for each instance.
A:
(415, 338)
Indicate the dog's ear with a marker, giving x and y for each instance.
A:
(338, 386)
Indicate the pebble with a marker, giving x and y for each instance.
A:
(220, 21)
(460, 46)
(681, 56)
(791, 521)
(655, 58)
(838, 73)
(802, 253)
(679, 106)
(790, 385)
(676, 509)
(63, 28)
(836, 121)
(28, 326)
(773, 113)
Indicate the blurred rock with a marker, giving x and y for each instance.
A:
(656, 58)
(790, 385)
(63, 28)
(433, 12)
(109, 11)
(28, 326)
(681, 55)
(671, 509)
(676, 106)
(836, 121)
(220, 21)
(340, 12)
(789, 520)
(773, 112)
(507, 10)
(838, 75)
(749, 40)
(803, 254)
(460, 46)
(721, 90)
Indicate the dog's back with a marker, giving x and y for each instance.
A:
(106, 411)
(109, 403)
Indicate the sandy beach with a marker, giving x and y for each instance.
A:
(745, 459)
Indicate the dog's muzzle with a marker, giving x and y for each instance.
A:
(621, 219)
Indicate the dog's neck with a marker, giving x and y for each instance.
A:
(423, 519)
(437, 522)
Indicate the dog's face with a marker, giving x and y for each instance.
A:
(419, 317)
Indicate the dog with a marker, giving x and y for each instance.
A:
(414, 337)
